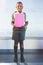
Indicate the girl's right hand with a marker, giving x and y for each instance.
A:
(12, 23)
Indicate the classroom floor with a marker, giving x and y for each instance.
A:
(31, 57)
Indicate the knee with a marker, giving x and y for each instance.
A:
(21, 45)
(15, 43)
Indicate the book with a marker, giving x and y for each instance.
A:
(19, 20)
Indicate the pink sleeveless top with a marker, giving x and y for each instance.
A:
(19, 20)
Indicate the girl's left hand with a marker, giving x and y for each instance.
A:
(26, 23)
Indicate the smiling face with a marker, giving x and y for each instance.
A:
(19, 7)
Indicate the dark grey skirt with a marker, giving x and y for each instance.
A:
(18, 34)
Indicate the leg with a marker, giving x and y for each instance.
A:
(15, 50)
(22, 51)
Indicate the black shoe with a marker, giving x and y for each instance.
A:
(15, 59)
(22, 59)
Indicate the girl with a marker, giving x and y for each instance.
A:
(19, 23)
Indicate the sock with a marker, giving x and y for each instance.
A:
(22, 49)
(15, 51)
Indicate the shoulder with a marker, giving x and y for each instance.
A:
(14, 13)
(24, 13)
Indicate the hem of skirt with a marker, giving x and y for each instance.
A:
(17, 40)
